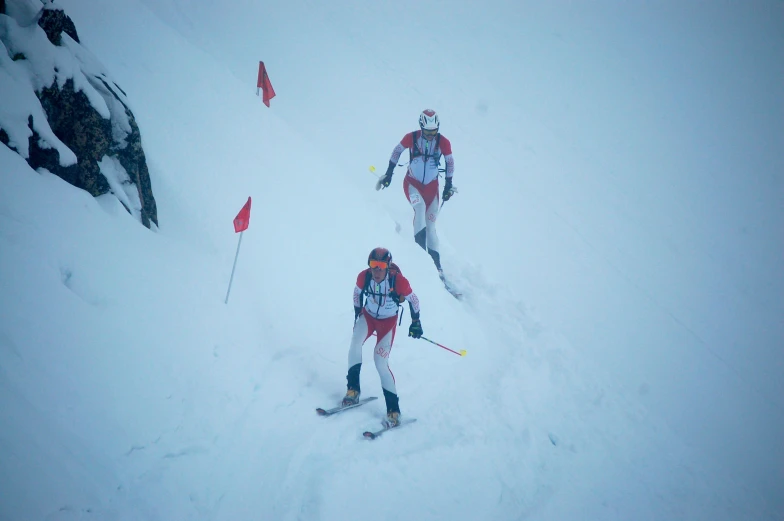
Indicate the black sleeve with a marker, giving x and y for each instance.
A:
(414, 314)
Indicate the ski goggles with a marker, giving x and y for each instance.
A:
(378, 264)
(429, 133)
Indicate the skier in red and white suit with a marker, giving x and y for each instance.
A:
(421, 182)
(385, 287)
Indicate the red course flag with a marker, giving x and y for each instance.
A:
(242, 220)
(264, 84)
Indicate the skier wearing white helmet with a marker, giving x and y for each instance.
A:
(426, 146)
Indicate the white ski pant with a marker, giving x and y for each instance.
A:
(385, 331)
(425, 207)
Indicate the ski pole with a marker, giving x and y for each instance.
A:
(379, 178)
(462, 352)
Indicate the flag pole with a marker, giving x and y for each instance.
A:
(234, 267)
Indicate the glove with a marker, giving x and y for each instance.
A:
(448, 190)
(384, 180)
(357, 312)
(415, 329)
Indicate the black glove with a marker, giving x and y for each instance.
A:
(415, 329)
(357, 312)
(448, 191)
(385, 180)
(387, 177)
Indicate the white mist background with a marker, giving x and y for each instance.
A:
(617, 230)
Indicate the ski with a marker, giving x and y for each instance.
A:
(452, 291)
(341, 408)
(373, 435)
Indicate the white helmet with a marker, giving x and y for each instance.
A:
(428, 120)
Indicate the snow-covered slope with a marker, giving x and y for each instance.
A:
(621, 358)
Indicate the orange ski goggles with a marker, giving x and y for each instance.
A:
(378, 264)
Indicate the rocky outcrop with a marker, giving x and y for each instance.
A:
(82, 129)
(90, 136)
(89, 119)
(54, 22)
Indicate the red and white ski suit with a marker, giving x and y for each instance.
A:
(421, 184)
(379, 315)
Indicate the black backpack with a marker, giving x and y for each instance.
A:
(415, 152)
(393, 272)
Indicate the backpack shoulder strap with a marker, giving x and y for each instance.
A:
(415, 152)
(394, 271)
(367, 281)
(364, 289)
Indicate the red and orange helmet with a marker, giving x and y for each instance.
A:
(379, 256)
